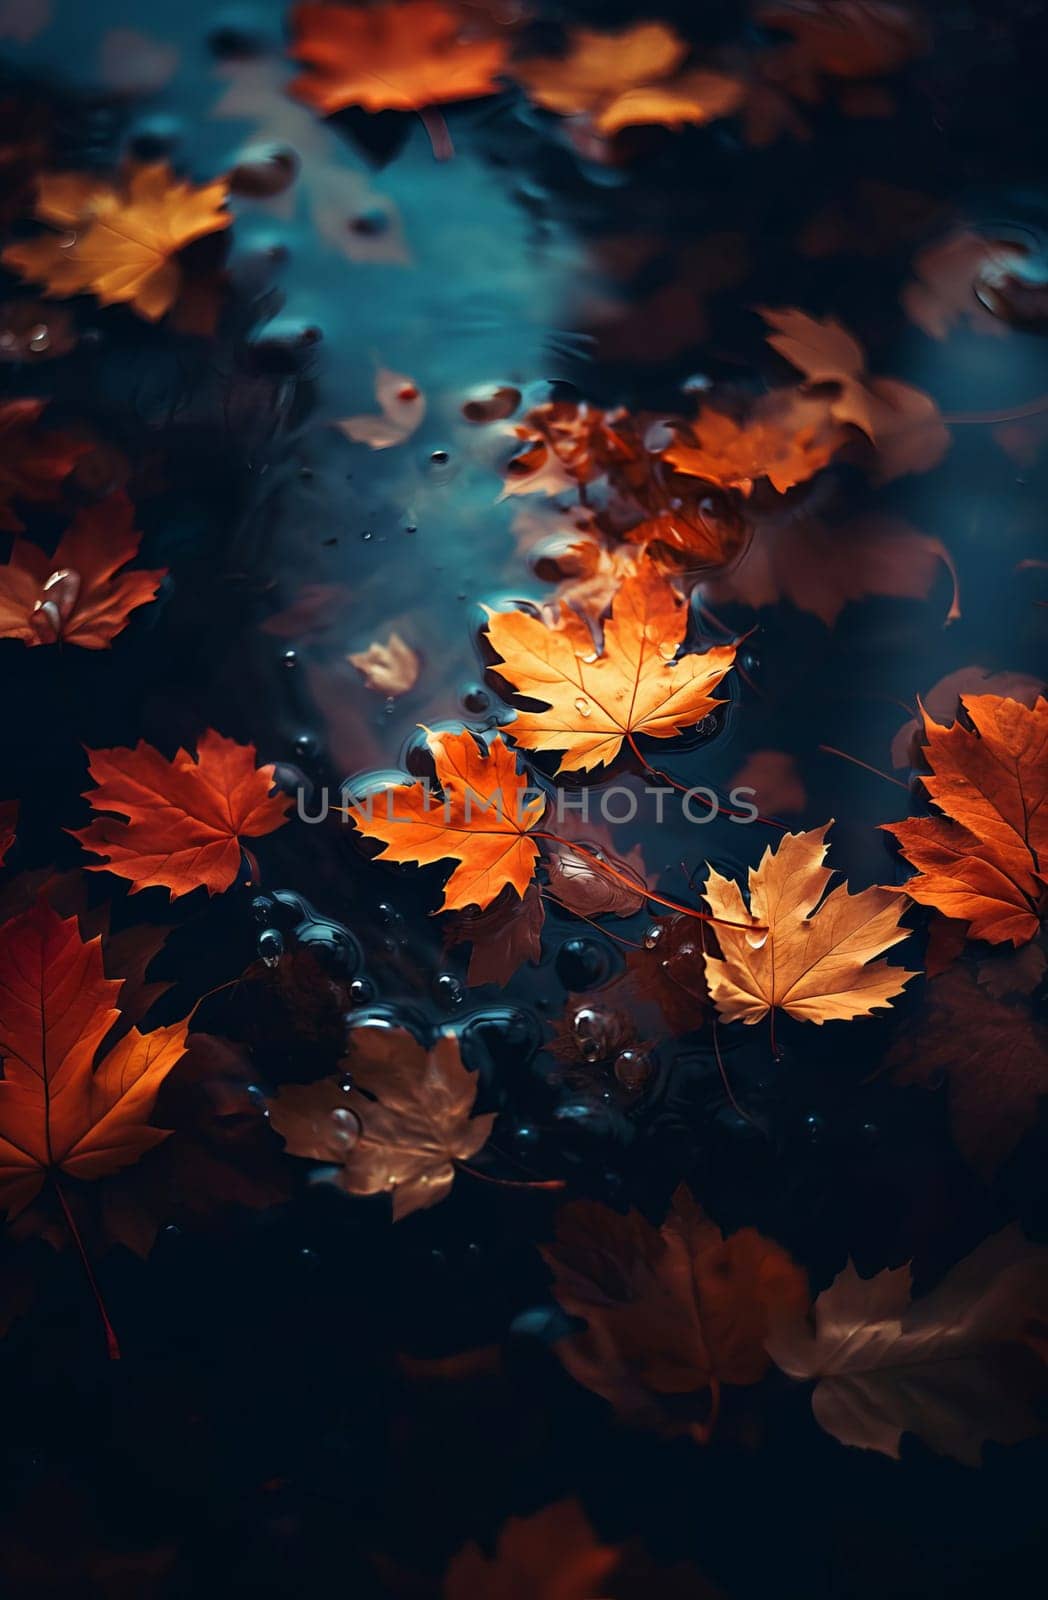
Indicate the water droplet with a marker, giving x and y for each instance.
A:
(476, 699)
(39, 337)
(262, 909)
(271, 946)
(366, 535)
(652, 936)
(343, 1130)
(289, 659)
(439, 458)
(305, 745)
(594, 1033)
(448, 990)
(633, 1068)
(369, 223)
(582, 705)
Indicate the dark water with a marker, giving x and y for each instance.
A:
(260, 1433)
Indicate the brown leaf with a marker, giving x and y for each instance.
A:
(671, 1313)
(943, 703)
(503, 937)
(776, 783)
(946, 276)
(958, 1367)
(994, 1058)
(402, 406)
(390, 669)
(402, 1126)
(551, 1555)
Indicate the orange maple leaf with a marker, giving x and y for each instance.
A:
(816, 959)
(551, 1555)
(178, 824)
(670, 1313)
(596, 700)
(625, 78)
(402, 55)
(33, 463)
(482, 820)
(125, 235)
(984, 861)
(785, 443)
(78, 595)
(400, 1129)
(58, 1110)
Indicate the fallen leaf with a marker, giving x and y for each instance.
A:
(402, 405)
(178, 824)
(402, 1126)
(848, 38)
(125, 235)
(942, 292)
(785, 442)
(390, 669)
(816, 960)
(1013, 971)
(33, 462)
(993, 1057)
(671, 1313)
(58, 1110)
(551, 1555)
(577, 880)
(773, 777)
(78, 595)
(943, 702)
(820, 570)
(8, 825)
(623, 79)
(957, 1367)
(982, 861)
(482, 820)
(400, 55)
(596, 700)
(504, 936)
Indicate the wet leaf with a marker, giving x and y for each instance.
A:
(34, 463)
(78, 595)
(551, 1555)
(787, 443)
(178, 824)
(816, 961)
(942, 292)
(623, 79)
(402, 406)
(943, 703)
(481, 820)
(58, 1110)
(400, 55)
(504, 936)
(119, 240)
(400, 1129)
(671, 1313)
(982, 861)
(390, 669)
(956, 1367)
(994, 1058)
(595, 700)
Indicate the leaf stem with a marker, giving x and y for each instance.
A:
(832, 751)
(649, 894)
(112, 1343)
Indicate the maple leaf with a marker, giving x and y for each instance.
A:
(983, 861)
(400, 1129)
(551, 1555)
(402, 55)
(33, 463)
(816, 961)
(820, 569)
(994, 1058)
(946, 277)
(578, 881)
(78, 595)
(787, 444)
(178, 824)
(390, 669)
(125, 235)
(622, 79)
(402, 406)
(956, 1367)
(482, 822)
(594, 701)
(943, 700)
(58, 1110)
(671, 1313)
(504, 936)
(902, 422)
(8, 825)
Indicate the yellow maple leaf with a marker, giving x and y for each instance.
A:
(594, 700)
(121, 237)
(816, 958)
